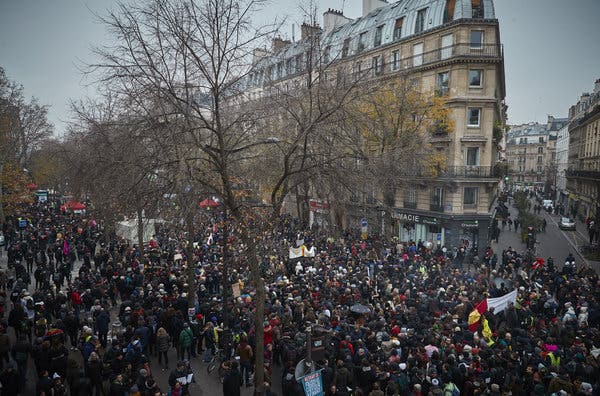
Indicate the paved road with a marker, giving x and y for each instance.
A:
(554, 243)
(205, 384)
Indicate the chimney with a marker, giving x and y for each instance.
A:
(597, 86)
(258, 54)
(278, 44)
(307, 30)
(333, 18)
(370, 5)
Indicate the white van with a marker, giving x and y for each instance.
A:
(547, 203)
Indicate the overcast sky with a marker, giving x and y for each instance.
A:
(551, 48)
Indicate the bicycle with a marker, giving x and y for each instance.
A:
(217, 360)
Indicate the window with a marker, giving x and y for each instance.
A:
(280, 69)
(418, 54)
(472, 157)
(398, 28)
(477, 7)
(470, 196)
(475, 78)
(540, 150)
(345, 47)
(476, 39)
(420, 21)
(474, 116)
(541, 139)
(358, 69)
(447, 46)
(443, 82)
(289, 66)
(437, 196)
(378, 33)
(540, 159)
(539, 169)
(377, 65)
(395, 60)
(299, 63)
(326, 54)
(361, 42)
(449, 10)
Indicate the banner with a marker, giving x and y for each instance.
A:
(499, 304)
(302, 251)
(312, 384)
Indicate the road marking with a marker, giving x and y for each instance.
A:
(569, 240)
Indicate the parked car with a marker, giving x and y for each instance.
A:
(567, 224)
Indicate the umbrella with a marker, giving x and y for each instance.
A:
(360, 309)
(208, 203)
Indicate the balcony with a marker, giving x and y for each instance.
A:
(436, 208)
(410, 205)
(453, 172)
(458, 50)
(583, 174)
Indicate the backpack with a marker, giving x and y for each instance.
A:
(451, 390)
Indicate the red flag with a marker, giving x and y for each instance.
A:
(475, 315)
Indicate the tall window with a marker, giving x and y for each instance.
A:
(474, 114)
(398, 28)
(449, 10)
(475, 78)
(377, 65)
(418, 54)
(345, 47)
(540, 150)
(378, 34)
(541, 139)
(472, 156)
(395, 60)
(361, 41)
(477, 6)
(540, 159)
(437, 196)
(446, 46)
(326, 54)
(470, 196)
(443, 83)
(420, 21)
(476, 39)
(299, 63)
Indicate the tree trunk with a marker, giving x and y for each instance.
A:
(225, 285)
(140, 228)
(191, 262)
(1, 195)
(259, 331)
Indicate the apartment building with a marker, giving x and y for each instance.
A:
(583, 171)
(531, 154)
(450, 47)
(562, 162)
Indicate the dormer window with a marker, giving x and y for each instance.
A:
(420, 21)
(449, 11)
(378, 34)
(361, 42)
(398, 28)
(477, 7)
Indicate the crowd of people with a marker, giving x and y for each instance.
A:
(95, 314)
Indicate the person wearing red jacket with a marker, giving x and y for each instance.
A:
(76, 301)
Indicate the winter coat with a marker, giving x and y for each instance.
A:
(162, 343)
(186, 337)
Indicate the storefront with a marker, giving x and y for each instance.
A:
(468, 233)
(417, 227)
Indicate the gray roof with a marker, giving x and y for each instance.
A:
(385, 16)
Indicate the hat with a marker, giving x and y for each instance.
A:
(402, 366)
(435, 382)
(495, 388)
(55, 376)
(185, 324)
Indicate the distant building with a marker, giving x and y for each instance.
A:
(562, 162)
(531, 154)
(583, 172)
(451, 47)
